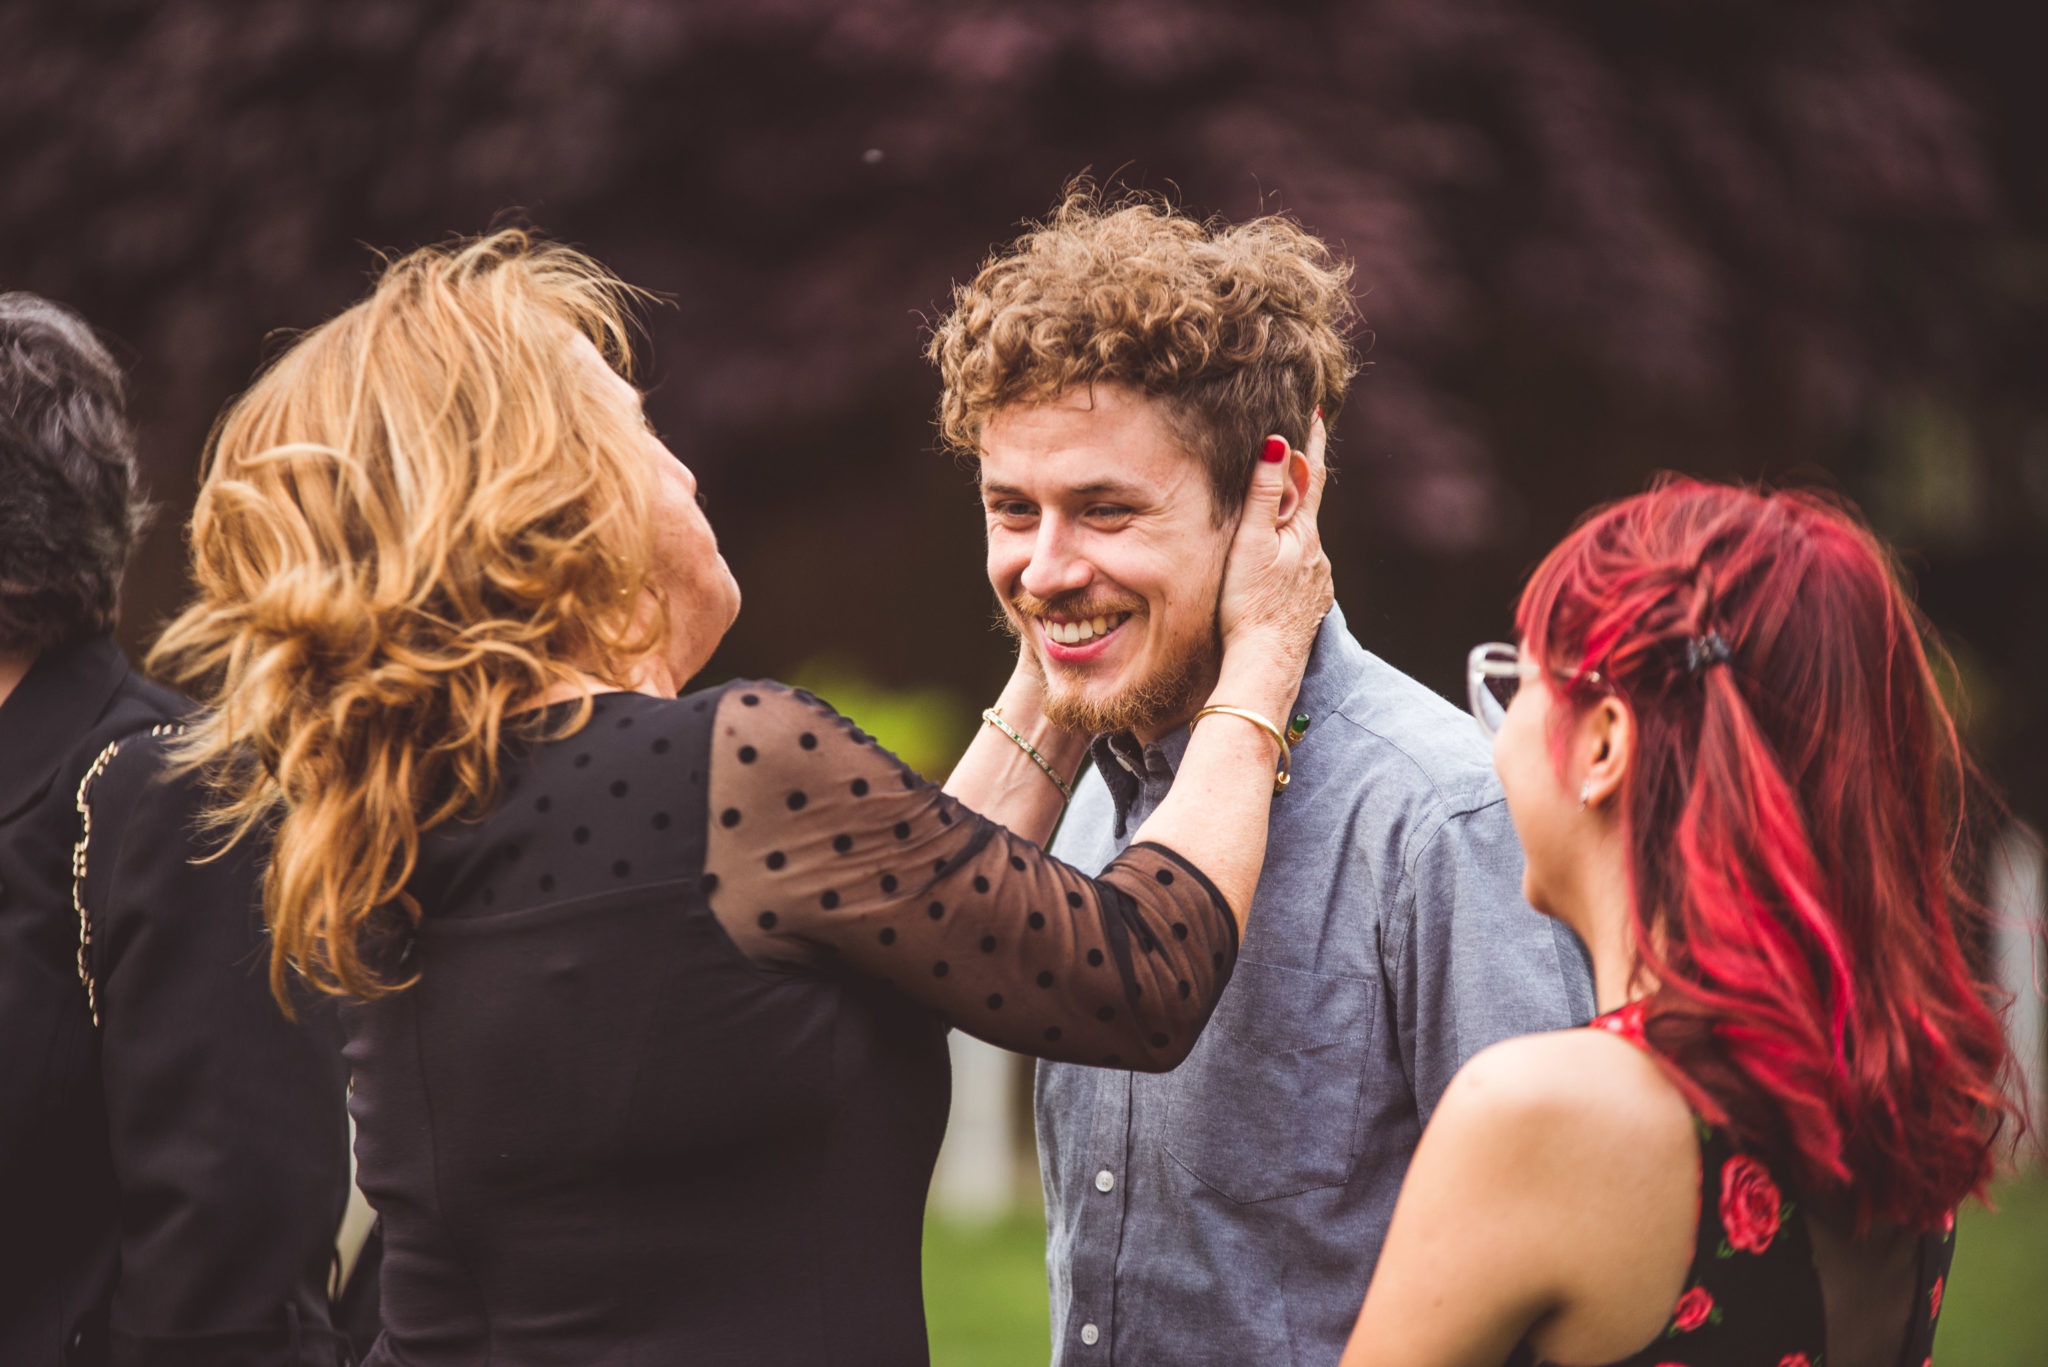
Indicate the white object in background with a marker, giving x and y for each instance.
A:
(357, 1219)
(2017, 891)
(976, 1178)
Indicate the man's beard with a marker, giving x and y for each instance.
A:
(1166, 694)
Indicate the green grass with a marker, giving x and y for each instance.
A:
(984, 1288)
(984, 1293)
(1994, 1311)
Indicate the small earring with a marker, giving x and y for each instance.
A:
(1585, 794)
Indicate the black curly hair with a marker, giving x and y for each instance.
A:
(69, 505)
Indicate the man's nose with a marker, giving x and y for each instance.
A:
(1056, 565)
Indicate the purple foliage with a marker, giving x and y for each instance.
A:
(1593, 240)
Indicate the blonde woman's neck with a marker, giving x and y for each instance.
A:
(651, 677)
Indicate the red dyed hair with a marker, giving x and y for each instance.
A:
(1795, 817)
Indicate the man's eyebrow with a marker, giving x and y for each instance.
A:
(1100, 487)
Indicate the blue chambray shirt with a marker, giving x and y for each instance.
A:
(1230, 1212)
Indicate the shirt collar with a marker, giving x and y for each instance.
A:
(50, 711)
(1128, 767)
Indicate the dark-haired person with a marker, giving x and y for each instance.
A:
(1111, 373)
(1735, 778)
(648, 1044)
(173, 1152)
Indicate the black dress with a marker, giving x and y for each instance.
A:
(171, 1176)
(672, 1077)
(1769, 1286)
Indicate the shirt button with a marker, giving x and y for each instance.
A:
(1105, 1180)
(1089, 1334)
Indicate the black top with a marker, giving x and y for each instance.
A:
(1771, 1284)
(171, 1180)
(673, 1075)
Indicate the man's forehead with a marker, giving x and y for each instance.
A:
(1099, 440)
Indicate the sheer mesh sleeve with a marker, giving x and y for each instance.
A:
(824, 849)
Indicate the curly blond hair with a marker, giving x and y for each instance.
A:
(418, 520)
(1242, 329)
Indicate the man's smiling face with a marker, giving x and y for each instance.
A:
(1104, 552)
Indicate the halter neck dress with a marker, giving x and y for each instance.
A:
(1758, 1294)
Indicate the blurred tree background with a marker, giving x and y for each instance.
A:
(1594, 240)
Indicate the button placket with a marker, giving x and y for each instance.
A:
(1093, 1299)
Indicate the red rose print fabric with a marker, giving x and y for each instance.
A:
(1693, 1309)
(1751, 1209)
(1752, 1297)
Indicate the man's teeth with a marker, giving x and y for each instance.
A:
(1074, 633)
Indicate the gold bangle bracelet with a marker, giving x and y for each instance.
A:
(994, 717)
(1279, 738)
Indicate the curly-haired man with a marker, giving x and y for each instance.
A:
(1113, 372)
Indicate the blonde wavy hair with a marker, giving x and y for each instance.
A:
(1241, 329)
(418, 520)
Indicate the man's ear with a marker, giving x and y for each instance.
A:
(1296, 488)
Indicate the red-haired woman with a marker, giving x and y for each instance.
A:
(1733, 776)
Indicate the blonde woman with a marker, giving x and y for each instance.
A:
(650, 993)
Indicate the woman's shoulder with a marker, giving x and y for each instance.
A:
(1590, 1098)
(772, 728)
(623, 718)
(737, 702)
(758, 697)
(1580, 1160)
(617, 742)
(1582, 1075)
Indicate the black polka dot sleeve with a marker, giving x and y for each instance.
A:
(824, 849)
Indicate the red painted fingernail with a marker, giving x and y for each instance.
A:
(1276, 450)
(1319, 412)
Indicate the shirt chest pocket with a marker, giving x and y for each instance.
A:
(1268, 1104)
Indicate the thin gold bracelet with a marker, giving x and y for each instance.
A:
(1279, 738)
(994, 717)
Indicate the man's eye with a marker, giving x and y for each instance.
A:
(1012, 509)
(1109, 511)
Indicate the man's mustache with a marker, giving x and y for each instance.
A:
(1072, 607)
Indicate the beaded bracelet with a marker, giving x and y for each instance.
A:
(994, 717)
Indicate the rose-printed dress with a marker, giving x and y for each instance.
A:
(1753, 1296)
